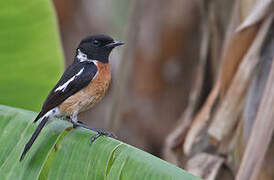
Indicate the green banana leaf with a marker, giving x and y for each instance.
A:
(61, 152)
(30, 52)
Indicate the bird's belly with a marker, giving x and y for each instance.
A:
(83, 100)
(89, 102)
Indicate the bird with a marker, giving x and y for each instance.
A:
(82, 85)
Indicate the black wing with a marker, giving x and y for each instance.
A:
(77, 76)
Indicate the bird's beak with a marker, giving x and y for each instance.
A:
(114, 44)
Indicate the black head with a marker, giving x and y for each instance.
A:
(98, 47)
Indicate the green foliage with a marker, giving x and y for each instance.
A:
(64, 153)
(30, 52)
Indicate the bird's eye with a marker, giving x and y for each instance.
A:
(96, 43)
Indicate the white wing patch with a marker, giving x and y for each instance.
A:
(64, 86)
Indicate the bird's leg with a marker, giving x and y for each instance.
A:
(100, 132)
(73, 119)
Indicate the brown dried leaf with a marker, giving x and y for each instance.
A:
(205, 165)
(234, 52)
(261, 10)
(200, 120)
(231, 107)
(236, 49)
(262, 129)
(241, 40)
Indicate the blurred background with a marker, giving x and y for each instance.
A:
(188, 85)
(162, 45)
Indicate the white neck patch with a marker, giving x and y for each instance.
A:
(82, 57)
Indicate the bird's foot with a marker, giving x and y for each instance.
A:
(101, 133)
(79, 123)
(74, 126)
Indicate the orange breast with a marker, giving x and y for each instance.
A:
(91, 94)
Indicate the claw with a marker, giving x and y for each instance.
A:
(108, 134)
(101, 133)
(74, 126)
(93, 138)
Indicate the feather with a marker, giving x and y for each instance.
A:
(76, 77)
(34, 136)
(37, 117)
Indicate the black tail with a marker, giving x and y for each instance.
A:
(38, 117)
(34, 136)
